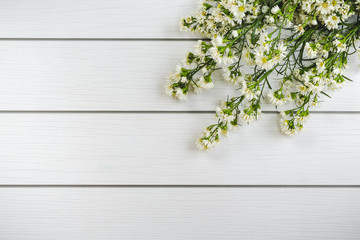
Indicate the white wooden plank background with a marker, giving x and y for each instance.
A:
(159, 149)
(179, 213)
(94, 18)
(115, 75)
(82, 103)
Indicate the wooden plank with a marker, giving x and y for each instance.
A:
(180, 213)
(94, 18)
(114, 75)
(159, 149)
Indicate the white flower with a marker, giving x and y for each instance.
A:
(218, 41)
(333, 85)
(246, 56)
(183, 79)
(169, 90)
(247, 92)
(286, 128)
(182, 27)
(204, 144)
(269, 20)
(315, 88)
(263, 61)
(247, 118)
(235, 34)
(332, 22)
(301, 119)
(324, 7)
(238, 11)
(263, 43)
(320, 65)
(223, 115)
(198, 49)
(231, 79)
(313, 22)
(289, 131)
(275, 9)
(179, 94)
(200, 145)
(202, 83)
(337, 71)
(276, 99)
(339, 46)
(264, 9)
(305, 77)
(215, 54)
(208, 139)
(310, 50)
(303, 89)
(229, 58)
(281, 48)
(307, 6)
(324, 53)
(300, 29)
(315, 104)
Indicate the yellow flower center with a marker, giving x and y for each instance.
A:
(242, 8)
(325, 5)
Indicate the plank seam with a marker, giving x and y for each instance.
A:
(167, 186)
(105, 39)
(148, 112)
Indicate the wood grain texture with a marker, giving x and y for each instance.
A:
(94, 18)
(166, 213)
(154, 148)
(159, 149)
(115, 75)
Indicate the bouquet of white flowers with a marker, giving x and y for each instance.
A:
(305, 42)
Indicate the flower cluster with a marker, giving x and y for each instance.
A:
(305, 42)
(328, 12)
